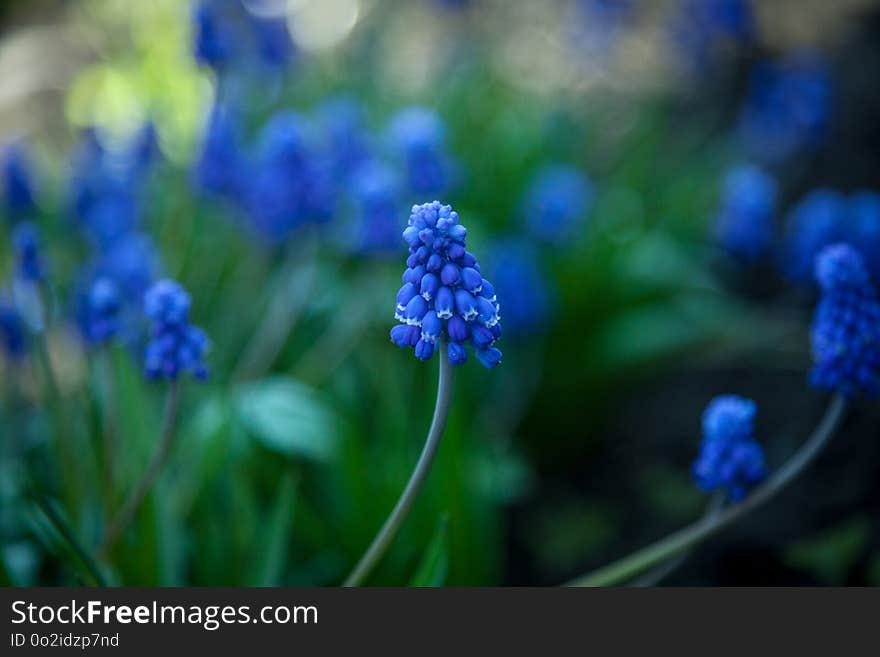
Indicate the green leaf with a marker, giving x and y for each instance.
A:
(287, 417)
(274, 542)
(830, 555)
(434, 566)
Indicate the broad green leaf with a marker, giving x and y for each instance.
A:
(434, 566)
(288, 417)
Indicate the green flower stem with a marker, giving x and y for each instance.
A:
(140, 491)
(65, 532)
(417, 479)
(290, 288)
(661, 572)
(690, 536)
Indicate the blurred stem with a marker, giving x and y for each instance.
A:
(661, 572)
(65, 532)
(108, 423)
(693, 535)
(298, 269)
(133, 503)
(417, 479)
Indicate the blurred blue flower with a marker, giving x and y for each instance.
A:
(132, 263)
(444, 298)
(175, 346)
(846, 327)
(701, 26)
(98, 312)
(219, 165)
(213, 41)
(28, 253)
(730, 458)
(863, 229)
(18, 186)
(417, 137)
(105, 186)
(375, 199)
(226, 34)
(521, 285)
(12, 331)
(744, 223)
(343, 126)
(815, 222)
(144, 148)
(788, 107)
(557, 202)
(292, 184)
(275, 48)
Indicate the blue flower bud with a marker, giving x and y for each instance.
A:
(424, 350)
(486, 315)
(465, 305)
(415, 310)
(405, 295)
(430, 285)
(471, 280)
(414, 275)
(432, 326)
(457, 353)
(444, 302)
(490, 357)
(458, 329)
(411, 236)
(450, 274)
(456, 251)
(404, 335)
(435, 263)
(482, 337)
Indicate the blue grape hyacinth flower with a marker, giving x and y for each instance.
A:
(557, 202)
(375, 199)
(744, 224)
(815, 222)
(28, 253)
(863, 229)
(218, 168)
(417, 137)
(444, 298)
(175, 346)
(702, 26)
(845, 334)
(343, 126)
(522, 285)
(99, 311)
(788, 107)
(213, 41)
(18, 186)
(730, 458)
(292, 184)
(13, 335)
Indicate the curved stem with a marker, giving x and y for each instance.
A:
(656, 575)
(133, 503)
(676, 543)
(416, 480)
